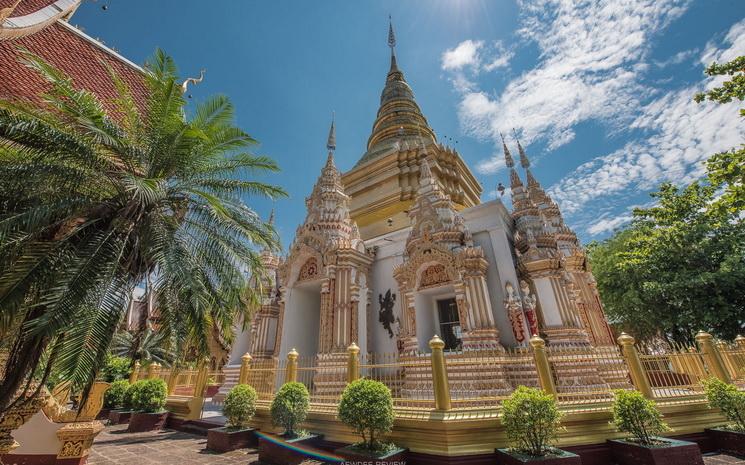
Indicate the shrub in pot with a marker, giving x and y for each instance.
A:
(148, 400)
(124, 412)
(640, 418)
(239, 408)
(290, 407)
(532, 421)
(731, 402)
(366, 406)
(114, 396)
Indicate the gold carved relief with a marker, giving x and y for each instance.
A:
(309, 270)
(433, 275)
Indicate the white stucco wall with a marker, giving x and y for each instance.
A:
(301, 325)
(241, 345)
(38, 436)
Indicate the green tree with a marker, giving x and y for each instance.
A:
(367, 407)
(532, 420)
(679, 266)
(92, 202)
(153, 347)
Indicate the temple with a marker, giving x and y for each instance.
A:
(400, 248)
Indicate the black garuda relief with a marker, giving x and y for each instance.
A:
(385, 315)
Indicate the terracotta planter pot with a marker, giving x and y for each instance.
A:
(142, 421)
(728, 441)
(103, 414)
(211, 390)
(275, 450)
(226, 439)
(505, 457)
(674, 453)
(119, 417)
(394, 457)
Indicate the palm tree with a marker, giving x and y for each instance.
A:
(92, 203)
(152, 346)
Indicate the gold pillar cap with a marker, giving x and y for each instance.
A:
(626, 340)
(740, 338)
(436, 342)
(292, 354)
(353, 348)
(536, 341)
(703, 336)
(246, 357)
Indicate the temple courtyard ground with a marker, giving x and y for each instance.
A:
(114, 446)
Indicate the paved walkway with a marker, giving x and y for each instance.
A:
(114, 446)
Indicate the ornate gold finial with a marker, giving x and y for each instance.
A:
(331, 143)
(507, 155)
(524, 162)
(185, 84)
(6, 12)
(391, 34)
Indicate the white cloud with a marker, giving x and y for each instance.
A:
(605, 225)
(464, 54)
(676, 59)
(681, 135)
(592, 54)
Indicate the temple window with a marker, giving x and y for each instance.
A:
(450, 328)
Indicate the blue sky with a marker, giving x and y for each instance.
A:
(600, 91)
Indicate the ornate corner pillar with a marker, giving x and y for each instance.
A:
(76, 439)
(481, 331)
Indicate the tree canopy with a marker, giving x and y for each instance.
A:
(680, 266)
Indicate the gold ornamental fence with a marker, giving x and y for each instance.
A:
(582, 378)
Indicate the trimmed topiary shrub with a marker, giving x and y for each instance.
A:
(290, 407)
(114, 396)
(129, 395)
(532, 421)
(635, 414)
(366, 406)
(728, 399)
(150, 395)
(240, 406)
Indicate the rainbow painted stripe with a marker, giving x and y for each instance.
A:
(310, 452)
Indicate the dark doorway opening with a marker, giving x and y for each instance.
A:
(447, 312)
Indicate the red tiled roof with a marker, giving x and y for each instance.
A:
(78, 56)
(26, 6)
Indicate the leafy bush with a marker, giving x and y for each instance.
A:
(290, 406)
(240, 406)
(116, 368)
(129, 395)
(532, 420)
(149, 395)
(729, 400)
(635, 414)
(366, 406)
(114, 397)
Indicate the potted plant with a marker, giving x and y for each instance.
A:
(113, 398)
(123, 414)
(731, 402)
(642, 421)
(148, 401)
(366, 407)
(212, 387)
(532, 420)
(239, 409)
(288, 410)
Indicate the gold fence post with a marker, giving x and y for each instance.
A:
(353, 363)
(291, 375)
(172, 379)
(740, 341)
(712, 357)
(545, 377)
(201, 382)
(245, 366)
(440, 374)
(153, 370)
(135, 372)
(634, 363)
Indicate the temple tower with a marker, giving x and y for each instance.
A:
(384, 182)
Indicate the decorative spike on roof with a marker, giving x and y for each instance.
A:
(331, 142)
(507, 155)
(524, 162)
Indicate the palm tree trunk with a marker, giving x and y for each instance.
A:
(22, 360)
(144, 316)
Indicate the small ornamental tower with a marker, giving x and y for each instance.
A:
(556, 288)
(264, 324)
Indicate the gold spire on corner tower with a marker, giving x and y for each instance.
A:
(507, 155)
(524, 162)
(331, 142)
